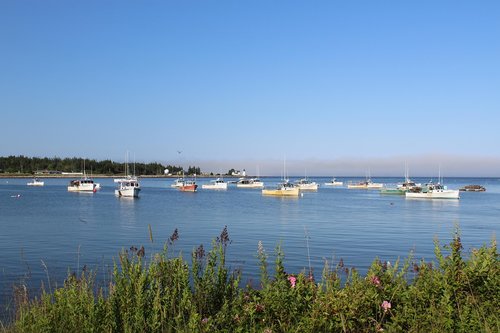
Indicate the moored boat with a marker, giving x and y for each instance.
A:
(128, 187)
(249, 183)
(401, 188)
(188, 186)
(82, 185)
(396, 191)
(36, 182)
(305, 184)
(334, 182)
(473, 188)
(285, 189)
(216, 184)
(365, 184)
(432, 191)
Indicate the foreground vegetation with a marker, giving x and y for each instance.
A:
(456, 293)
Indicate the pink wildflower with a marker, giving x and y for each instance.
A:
(292, 280)
(386, 305)
(204, 320)
(375, 280)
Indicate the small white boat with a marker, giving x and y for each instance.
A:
(128, 187)
(82, 185)
(216, 184)
(249, 183)
(305, 184)
(285, 189)
(179, 182)
(334, 182)
(36, 182)
(433, 191)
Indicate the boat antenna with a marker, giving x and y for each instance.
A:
(134, 164)
(439, 175)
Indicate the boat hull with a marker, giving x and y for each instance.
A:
(188, 188)
(374, 186)
(393, 191)
(35, 184)
(334, 184)
(128, 192)
(250, 184)
(81, 189)
(293, 192)
(445, 194)
(308, 187)
(214, 186)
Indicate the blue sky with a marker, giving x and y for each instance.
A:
(331, 85)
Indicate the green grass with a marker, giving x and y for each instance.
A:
(455, 293)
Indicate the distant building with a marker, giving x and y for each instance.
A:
(48, 172)
(239, 173)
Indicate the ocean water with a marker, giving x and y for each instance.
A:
(47, 232)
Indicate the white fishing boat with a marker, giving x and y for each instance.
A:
(128, 187)
(365, 184)
(305, 184)
(249, 183)
(433, 191)
(334, 182)
(36, 182)
(82, 185)
(216, 184)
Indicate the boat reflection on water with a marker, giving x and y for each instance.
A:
(128, 210)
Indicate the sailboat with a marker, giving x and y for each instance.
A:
(128, 186)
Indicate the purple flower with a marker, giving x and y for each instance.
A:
(375, 280)
(204, 320)
(386, 306)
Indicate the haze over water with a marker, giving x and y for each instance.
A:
(64, 231)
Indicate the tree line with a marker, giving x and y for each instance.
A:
(30, 165)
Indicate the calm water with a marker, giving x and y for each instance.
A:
(49, 227)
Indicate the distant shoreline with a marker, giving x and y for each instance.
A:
(29, 176)
(21, 176)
